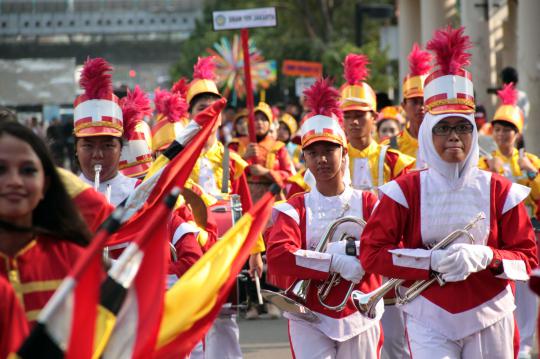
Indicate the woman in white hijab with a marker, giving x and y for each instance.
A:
(471, 316)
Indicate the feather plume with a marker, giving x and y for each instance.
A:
(323, 99)
(181, 87)
(356, 69)
(204, 69)
(135, 106)
(95, 79)
(508, 95)
(172, 105)
(449, 46)
(419, 61)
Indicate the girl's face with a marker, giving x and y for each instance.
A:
(452, 138)
(262, 124)
(388, 128)
(22, 180)
(283, 133)
(504, 136)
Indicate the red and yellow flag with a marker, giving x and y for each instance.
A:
(193, 303)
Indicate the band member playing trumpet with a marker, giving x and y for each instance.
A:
(470, 314)
(299, 224)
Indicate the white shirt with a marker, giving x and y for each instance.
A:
(121, 187)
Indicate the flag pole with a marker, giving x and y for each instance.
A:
(244, 35)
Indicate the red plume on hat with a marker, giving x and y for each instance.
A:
(205, 68)
(135, 106)
(508, 95)
(96, 79)
(323, 99)
(181, 87)
(419, 61)
(356, 69)
(173, 106)
(449, 46)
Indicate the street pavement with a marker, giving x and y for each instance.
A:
(268, 339)
(264, 338)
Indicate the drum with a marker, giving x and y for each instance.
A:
(226, 212)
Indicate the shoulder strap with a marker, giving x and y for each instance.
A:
(226, 171)
(382, 158)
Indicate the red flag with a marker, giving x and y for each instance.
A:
(194, 302)
(176, 173)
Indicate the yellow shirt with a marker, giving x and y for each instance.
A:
(208, 170)
(365, 168)
(513, 172)
(208, 174)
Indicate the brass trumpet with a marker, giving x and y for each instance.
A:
(295, 296)
(324, 289)
(366, 302)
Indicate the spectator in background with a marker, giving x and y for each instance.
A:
(69, 143)
(56, 141)
(510, 75)
(37, 127)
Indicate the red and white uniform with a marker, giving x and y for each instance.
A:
(184, 240)
(121, 186)
(298, 226)
(472, 318)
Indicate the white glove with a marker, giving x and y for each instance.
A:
(459, 260)
(348, 267)
(339, 247)
(437, 256)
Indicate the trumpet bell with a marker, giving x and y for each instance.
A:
(364, 303)
(287, 304)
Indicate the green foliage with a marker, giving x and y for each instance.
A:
(311, 30)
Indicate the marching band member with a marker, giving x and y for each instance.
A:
(42, 234)
(389, 122)
(222, 340)
(136, 157)
(298, 227)
(519, 167)
(209, 169)
(371, 164)
(98, 129)
(413, 101)
(286, 132)
(271, 161)
(471, 316)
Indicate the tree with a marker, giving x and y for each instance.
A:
(312, 30)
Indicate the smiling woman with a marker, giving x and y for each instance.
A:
(41, 232)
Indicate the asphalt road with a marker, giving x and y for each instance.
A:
(268, 339)
(264, 338)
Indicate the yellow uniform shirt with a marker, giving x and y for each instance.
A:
(366, 167)
(513, 172)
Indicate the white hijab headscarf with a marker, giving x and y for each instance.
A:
(454, 173)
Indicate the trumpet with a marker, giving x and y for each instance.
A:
(295, 297)
(366, 302)
(324, 289)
